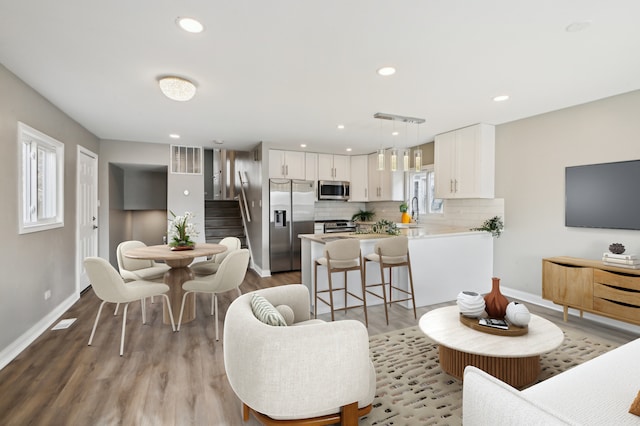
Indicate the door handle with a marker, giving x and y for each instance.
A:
(95, 226)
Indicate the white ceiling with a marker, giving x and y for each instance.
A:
(289, 71)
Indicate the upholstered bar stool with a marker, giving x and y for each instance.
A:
(340, 256)
(391, 253)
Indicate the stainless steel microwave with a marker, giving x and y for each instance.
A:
(333, 190)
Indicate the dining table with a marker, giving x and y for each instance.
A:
(178, 260)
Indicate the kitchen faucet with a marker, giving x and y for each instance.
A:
(415, 212)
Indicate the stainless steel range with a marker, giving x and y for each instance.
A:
(339, 226)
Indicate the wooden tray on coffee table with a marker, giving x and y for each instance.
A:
(512, 331)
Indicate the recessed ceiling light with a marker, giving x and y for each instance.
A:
(218, 141)
(174, 136)
(190, 25)
(501, 98)
(395, 133)
(177, 88)
(574, 27)
(303, 145)
(348, 149)
(341, 126)
(386, 71)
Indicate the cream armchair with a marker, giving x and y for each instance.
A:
(300, 372)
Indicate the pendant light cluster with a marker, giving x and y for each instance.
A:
(393, 160)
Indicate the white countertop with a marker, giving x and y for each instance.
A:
(411, 233)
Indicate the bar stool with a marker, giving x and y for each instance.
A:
(391, 253)
(340, 256)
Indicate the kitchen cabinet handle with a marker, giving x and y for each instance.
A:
(365, 193)
(455, 186)
(451, 185)
(282, 170)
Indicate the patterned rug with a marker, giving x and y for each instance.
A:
(413, 390)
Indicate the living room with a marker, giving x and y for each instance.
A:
(531, 156)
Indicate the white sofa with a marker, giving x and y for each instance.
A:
(309, 369)
(597, 392)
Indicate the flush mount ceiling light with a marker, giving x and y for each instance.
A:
(190, 25)
(386, 71)
(177, 88)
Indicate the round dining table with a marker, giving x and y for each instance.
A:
(179, 261)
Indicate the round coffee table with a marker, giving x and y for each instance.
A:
(513, 359)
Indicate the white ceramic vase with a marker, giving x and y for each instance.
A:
(518, 314)
(470, 303)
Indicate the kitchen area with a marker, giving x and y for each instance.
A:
(338, 187)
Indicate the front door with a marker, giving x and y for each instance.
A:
(86, 213)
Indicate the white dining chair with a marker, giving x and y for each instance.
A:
(230, 275)
(109, 286)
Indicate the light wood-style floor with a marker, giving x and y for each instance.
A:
(164, 378)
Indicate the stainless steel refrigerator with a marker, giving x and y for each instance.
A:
(291, 212)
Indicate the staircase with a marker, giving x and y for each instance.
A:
(222, 219)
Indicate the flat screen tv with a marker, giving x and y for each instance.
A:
(603, 195)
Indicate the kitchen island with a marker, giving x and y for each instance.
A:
(444, 261)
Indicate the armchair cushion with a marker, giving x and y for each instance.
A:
(266, 312)
(287, 313)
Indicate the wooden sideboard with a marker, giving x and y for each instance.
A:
(591, 286)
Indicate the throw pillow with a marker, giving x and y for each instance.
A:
(265, 312)
(286, 312)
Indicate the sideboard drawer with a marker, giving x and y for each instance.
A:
(617, 280)
(616, 310)
(615, 294)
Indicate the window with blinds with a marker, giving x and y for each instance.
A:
(186, 160)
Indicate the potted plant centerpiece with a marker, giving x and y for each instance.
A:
(181, 231)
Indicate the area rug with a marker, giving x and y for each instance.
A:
(412, 389)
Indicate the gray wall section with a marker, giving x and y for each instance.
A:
(145, 190)
(36, 262)
(531, 156)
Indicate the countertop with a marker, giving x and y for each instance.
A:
(412, 233)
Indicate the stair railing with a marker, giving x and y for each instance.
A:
(243, 198)
(244, 212)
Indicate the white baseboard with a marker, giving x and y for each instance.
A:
(537, 300)
(262, 273)
(21, 343)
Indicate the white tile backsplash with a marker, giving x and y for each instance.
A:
(467, 213)
(341, 210)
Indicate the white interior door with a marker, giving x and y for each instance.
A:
(86, 213)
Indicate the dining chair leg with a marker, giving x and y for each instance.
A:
(124, 323)
(215, 298)
(95, 324)
(143, 306)
(115, 312)
(184, 299)
(173, 323)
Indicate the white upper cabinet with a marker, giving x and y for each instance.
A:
(359, 188)
(334, 167)
(464, 162)
(311, 166)
(384, 185)
(286, 164)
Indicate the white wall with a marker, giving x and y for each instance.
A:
(531, 156)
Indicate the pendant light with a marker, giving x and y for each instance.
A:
(394, 152)
(405, 152)
(380, 152)
(417, 160)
